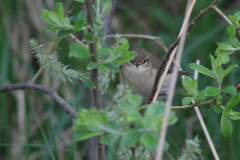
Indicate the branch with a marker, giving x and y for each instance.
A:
(70, 11)
(198, 104)
(158, 40)
(77, 40)
(41, 69)
(93, 51)
(46, 90)
(168, 54)
(215, 8)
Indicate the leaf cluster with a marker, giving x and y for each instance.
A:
(218, 73)
(57, 68)
(123, 124)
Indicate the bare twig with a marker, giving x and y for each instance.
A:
(163, 131)
(158, 40)
(77, 40)
(70, 11)
(46, 90)
(203, 124)
(215, 8)
(168, 54)
(42, 67)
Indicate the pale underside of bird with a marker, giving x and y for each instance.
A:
(140, 73)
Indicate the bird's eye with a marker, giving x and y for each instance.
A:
(131, 62)
(144, 61)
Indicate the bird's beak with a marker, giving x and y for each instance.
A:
(137, 65)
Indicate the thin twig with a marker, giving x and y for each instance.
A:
(158, 40)
(46, 90)
(173, 46)
(164, 127)
(35, 77)
(215, 8)
(203, 124)
(70, 11)
(198, 104)
(77, 40)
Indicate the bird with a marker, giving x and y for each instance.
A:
(140, 73)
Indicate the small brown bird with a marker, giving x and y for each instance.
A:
(140, 73)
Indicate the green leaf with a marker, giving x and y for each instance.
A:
(88, 36)
(107, 6)
(154, 110)
(54, 21)
(224, 50)
(82, 14)
(232, 113)
(234, 19)
(233, 101)
(112, 66)
(232, 32)
(59, 10)
(230, 89)
(201, 95)
(130, 138)
(217, 108)
(212, 91)
(90, 84)
(149, 141)
(107, 139)
(80, 0)
(214, 64)
(190, 85)
(86, 135)
(63, 33)
(234, 117)
(201, 69)
(186, 94)
(225, 59)
(219, 99)
(78, 25)
(226, 72)
(79, 51)
(92, 65)
(226, 126)
(186, 100)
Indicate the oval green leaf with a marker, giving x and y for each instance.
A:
(186, 100)
(212, 91)
(79, 51)
(230, 89)
(201, 69)
(226, 126)
(233, 101)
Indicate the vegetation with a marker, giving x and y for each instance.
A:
(41, 130)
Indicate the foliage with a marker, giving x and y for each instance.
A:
(122, 123)
(192, 151)
(56, 68)
(218, 73)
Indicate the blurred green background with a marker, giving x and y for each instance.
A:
(33, 126)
